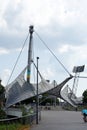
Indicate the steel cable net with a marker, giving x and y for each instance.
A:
(20, 89)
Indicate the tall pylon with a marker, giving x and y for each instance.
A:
(31, 30)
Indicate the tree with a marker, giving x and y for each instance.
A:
(84, 97)
(2, 95)
(2, 114)
(2, 89)
(2, 99)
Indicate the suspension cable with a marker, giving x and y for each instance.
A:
(17, 59)
(52, 53)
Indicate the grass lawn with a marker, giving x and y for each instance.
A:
(14, 127)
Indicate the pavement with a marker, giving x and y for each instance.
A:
(60, 120)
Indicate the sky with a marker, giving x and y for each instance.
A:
(61, 24)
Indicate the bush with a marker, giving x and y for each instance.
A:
(85, 97)
(2, 114)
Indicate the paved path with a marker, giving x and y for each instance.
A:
(61, 120)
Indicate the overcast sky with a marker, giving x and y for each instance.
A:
(61, 24)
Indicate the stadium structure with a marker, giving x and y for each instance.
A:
(21, 89)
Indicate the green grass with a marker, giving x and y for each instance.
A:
(13, 126)
(9, 126)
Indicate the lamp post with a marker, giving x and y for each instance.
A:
(77, 70)
(37, 99)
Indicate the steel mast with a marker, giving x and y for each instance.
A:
(30, 53)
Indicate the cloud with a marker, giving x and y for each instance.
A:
(3, 6)
(64, 48)
(3, 51)
(58, 19)
(61, 25)
(78, 50)
(19, 13)
(47, 73)
(3, 24)
(4, 76)
(73, 55)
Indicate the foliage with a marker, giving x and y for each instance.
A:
(14, 126)
(2, 114)
(2, 100)
(9, 126)
(2, 96)
(2, 89)
(24, 127)
(28, 101)
(23, 110)
(84, 97)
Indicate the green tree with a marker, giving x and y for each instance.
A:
(2, 89)
(2, 95)
(84, 97)
(2, 100)
(2, 114)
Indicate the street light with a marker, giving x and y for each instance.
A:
(37, 100)
(77, 70)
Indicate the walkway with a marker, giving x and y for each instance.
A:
(61, 120)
